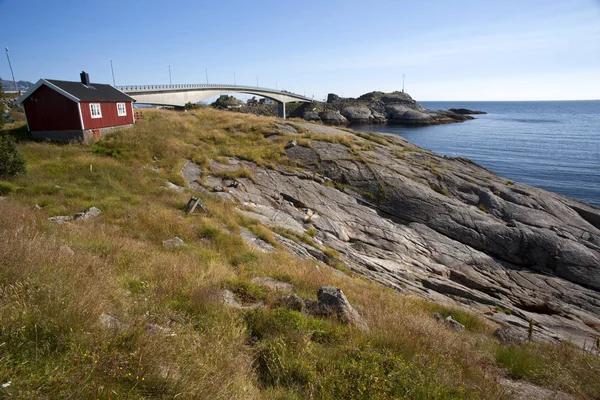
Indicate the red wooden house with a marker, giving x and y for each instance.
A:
(65, 110)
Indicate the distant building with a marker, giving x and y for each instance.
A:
(65, 110)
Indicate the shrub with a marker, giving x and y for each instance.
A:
(12, 162)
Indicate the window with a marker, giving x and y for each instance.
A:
(121, 110)
(95, 110)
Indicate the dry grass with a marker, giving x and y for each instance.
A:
(52, 344)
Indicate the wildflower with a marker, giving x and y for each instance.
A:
(5, 385)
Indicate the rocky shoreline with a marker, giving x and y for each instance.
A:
(440, 227)
(370, 108)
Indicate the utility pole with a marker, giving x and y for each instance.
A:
(206, 72)
(113, 72)
(11, 71)
(170, 80)
(402, 83)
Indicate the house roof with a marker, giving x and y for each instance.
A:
(78, 92)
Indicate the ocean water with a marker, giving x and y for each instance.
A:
(554, 145)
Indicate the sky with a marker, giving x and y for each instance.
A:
(446, 50)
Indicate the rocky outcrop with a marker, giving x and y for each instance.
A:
(440, 227)
(466, 111)
(377, 108)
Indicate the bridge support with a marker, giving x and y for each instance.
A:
(281, 109)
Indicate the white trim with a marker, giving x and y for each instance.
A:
(51, 86)
(124, 113)
(99, 110)
(80, 117)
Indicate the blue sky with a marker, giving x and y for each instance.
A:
(449, 50)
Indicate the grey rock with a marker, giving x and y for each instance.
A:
(290, 144)
(66, 250)
(228, 298)
(177, 188)
(218, 188)
(157, 329)
(273, 284)
(358, 115)
(291, 301)
(173, 242)
(333, 118)
(511, 335)
(60, 219)
(528, 391)
(88, 213)
(152, 168)
(112, 323)
(311, 116)
(255, 242)
(287, 129)
(454, 325)
(437, 317)
(332, 300)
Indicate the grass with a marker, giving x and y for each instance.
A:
(52, 344)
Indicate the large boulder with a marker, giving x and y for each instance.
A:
(357, 115)
(333, 301)
(311, 116)
(333, 118)
(404, 114)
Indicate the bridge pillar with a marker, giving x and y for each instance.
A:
(281, 109)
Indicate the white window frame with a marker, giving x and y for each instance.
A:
(95, 110)
(121, 110)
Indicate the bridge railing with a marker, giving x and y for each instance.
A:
(138, 88)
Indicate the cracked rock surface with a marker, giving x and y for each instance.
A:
(443, 228)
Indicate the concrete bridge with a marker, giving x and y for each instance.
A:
(180, 95)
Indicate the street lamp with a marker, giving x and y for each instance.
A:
(11, 71)
(112, 70)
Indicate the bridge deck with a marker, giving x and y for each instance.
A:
(174, 88)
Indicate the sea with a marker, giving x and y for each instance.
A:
(554, 145)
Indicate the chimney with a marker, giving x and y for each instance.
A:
(85, 78)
